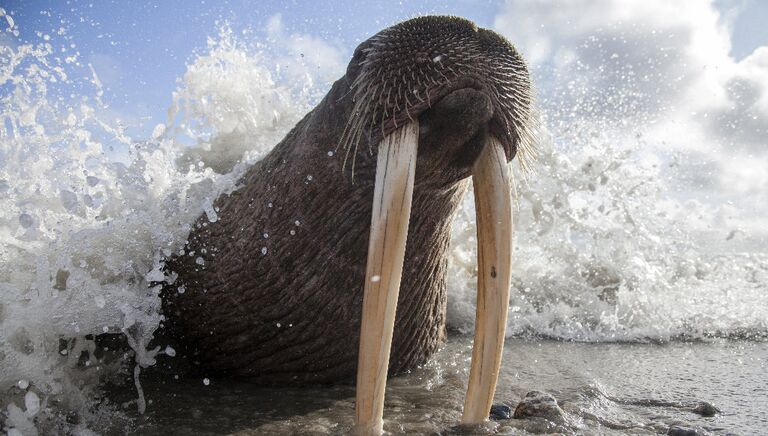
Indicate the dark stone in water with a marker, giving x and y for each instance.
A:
(706, 409)
(677, 430)
(500, 411)
(539, 404)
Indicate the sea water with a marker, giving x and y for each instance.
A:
(639, 280)
(603, 388)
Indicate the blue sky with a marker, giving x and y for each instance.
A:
(139, 49)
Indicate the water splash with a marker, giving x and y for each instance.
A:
(604, 253)
(88, 213)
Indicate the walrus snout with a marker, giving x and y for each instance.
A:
(451, 135)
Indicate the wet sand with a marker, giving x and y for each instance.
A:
(603, 388)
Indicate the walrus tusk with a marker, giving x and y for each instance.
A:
(493, 207)
(393, 192)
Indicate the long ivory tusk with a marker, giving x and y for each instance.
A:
(392, 197)
(493, 207)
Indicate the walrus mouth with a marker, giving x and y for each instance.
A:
(393, 191)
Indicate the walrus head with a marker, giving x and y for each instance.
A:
(311, 249)
(480, 85)
(399, 73)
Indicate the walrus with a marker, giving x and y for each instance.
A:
(329, 259)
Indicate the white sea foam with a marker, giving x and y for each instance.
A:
(603, 254)
(87, 213)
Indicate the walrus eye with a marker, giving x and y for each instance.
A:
(393, 192)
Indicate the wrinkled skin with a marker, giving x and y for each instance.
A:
(286, 309)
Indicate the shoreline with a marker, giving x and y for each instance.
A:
(606, 388)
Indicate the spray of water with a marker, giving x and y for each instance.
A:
(89, 212)
(602, 254)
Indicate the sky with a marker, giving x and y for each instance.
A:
(140, 49)
(685, 76)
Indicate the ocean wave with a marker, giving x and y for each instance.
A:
(601, 254)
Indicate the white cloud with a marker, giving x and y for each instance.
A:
(657, 69)
(652, 53)
(305, 56)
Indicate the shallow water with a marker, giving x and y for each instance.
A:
(606, 388)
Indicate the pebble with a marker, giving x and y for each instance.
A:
(539, 404)
(500, 411)
(677, 430)
(706, 409)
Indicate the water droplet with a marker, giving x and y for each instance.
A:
(206, 381)
(32, 403)
(210, 211)
(26, 220)
(100, 301)
(158, 131)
